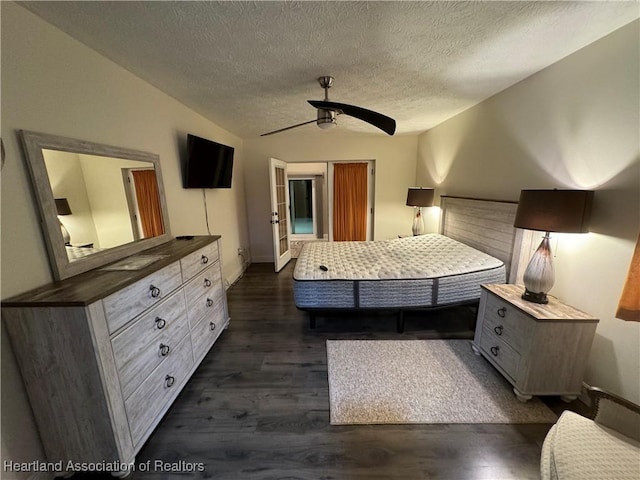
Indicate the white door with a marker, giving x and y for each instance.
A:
(280, 213)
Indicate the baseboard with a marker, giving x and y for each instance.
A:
(235, 276)
(262, 259)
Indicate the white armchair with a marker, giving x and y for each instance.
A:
(607, 446)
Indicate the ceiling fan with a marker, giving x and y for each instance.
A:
(328, 111)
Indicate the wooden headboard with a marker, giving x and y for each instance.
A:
(486, 225)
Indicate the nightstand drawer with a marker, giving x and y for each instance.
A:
(505, 321)
(501, 353)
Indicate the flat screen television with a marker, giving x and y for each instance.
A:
(208, 165)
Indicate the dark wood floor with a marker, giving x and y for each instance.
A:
(258, 408)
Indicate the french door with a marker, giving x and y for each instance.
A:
(280, 213)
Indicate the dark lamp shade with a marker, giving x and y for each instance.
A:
(420, 197)
(62, 206)
(565, 211)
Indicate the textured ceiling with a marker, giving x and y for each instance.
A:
(251, 66)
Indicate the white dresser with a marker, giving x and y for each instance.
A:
(540, 349)
(104, 354)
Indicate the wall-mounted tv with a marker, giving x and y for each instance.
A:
(208, 164)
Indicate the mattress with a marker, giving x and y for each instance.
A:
(75, 253)
(419, 271)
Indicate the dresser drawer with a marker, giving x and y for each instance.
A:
(501, 353)
(205, 283)
(208, 330)
(129, 302)
(164, 383)
(505, 321)
(149, 340)
(197, 261)
(205, 304)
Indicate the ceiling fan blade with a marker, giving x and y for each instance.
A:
(288, 128)
(384, 123)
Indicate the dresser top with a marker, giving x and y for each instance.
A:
(554, 310)
(89, 287)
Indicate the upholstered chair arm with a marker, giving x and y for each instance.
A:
(615, 412)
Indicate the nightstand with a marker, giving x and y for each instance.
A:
(539, 349)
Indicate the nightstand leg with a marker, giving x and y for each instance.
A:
(568, 398)
(475, 349)
(521, 396)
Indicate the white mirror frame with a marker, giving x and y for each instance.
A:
(34, 143)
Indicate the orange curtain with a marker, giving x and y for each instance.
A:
(349, 201)
(629, 306)
(148, 202)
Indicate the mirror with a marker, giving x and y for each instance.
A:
(98, 203)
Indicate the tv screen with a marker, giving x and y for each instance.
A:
(209, 164)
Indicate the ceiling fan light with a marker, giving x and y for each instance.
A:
(326, 124)
(326, 119)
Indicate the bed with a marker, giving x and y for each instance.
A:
(477, 245)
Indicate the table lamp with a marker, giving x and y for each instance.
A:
(418, 198)
(63, 208)
(565, 211)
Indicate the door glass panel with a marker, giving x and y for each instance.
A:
(301, 201)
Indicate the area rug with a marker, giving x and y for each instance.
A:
(421, 381)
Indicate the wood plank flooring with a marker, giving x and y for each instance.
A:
(257, 408)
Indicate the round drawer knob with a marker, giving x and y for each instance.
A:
(498, 329)
(207, 282)
(502, 312)
(155, 291)
(212, 326)
(209, 302)
(164, 349)
(494, 351)
(169, 381)
(205, 259)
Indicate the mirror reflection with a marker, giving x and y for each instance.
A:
(98, 203)
(102, 202)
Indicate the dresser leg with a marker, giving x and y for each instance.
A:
(521, 396)
(475, 349)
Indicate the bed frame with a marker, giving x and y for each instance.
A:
(486, 225)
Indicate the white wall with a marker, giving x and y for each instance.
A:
(53, 84)
(395, 159)
(108, 198)
(573, 125)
